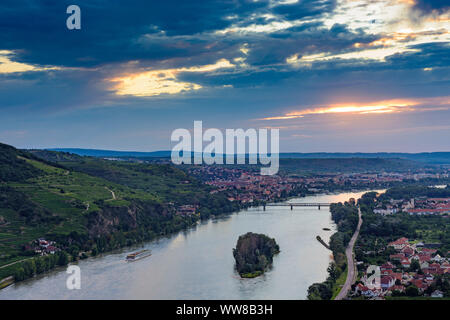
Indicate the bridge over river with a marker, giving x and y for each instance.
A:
(292, 205)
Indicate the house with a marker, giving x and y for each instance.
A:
(385, 212)
(186, 210)
(399, 244)
(397, 288)
(437, 294)
(397, 275)
(398, 256)
(387, 266)
(420, 284)
(434, 268)
(365, 291)
(387, 282)
(387, 272)
(424, 257)
(420, 245)
(438, 258)
(407, 251)
(429, 277)
(43, 243)
(51, 249)
(446, 267)
(405, 263)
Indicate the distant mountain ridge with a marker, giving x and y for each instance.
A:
(112, 153)
(427, 157)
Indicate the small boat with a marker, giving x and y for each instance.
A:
(138, 255)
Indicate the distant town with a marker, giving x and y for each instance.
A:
(247, 186)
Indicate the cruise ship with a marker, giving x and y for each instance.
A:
(138, 255)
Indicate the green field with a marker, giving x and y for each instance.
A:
(339, 283)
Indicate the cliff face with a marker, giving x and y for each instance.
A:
(109, 220)
(254, 254)
(138, 214)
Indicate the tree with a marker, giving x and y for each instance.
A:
(333, 271)
(412, 291)
(29, 267)
(19, 274)
(415, 266)
(63, 258)
(319, 291)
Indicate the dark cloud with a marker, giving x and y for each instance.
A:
(112, 30)
(429, 55)
(305, 8)
(428, 6)
(305, 39)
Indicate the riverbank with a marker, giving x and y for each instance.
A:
(6, 282)
(348, 217)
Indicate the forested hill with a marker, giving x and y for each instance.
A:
(89, 204)
(349, 165)
(425, 157)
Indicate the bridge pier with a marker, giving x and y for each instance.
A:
(319, 206)
(264, 207)
(292, 207)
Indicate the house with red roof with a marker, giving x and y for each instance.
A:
(420, 284)
(367, 292)
(387, 266)
(399, 243)
(400, 288)
(405, 263)
(398, 256)
(407, 251)
(428, 251)
(387, 282)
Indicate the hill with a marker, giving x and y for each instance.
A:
(426, 157)
(89, 205)
(348, 165)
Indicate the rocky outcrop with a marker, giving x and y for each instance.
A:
(109, 219)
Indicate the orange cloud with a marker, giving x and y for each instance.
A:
(156, 82)
(388, 106)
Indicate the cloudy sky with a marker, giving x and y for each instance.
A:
(332, 75)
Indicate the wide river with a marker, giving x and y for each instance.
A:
(198, 263)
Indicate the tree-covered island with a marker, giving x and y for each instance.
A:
(254, 254)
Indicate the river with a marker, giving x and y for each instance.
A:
(198, 263)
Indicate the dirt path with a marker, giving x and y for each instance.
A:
(12, 263)
(112, 193)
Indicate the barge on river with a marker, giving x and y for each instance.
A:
(138, 255)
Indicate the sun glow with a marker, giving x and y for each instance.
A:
(157, 82)
(9, 66)
(379, 107)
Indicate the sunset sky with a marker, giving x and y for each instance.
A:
(343, 75)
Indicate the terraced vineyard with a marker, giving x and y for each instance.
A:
(91, 205)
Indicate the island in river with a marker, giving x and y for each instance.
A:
(254, 254)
